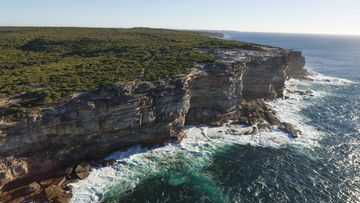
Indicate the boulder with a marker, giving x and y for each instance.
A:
(290, 128)
(55, 193)
(82, 170)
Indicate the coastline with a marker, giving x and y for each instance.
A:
(204, 140)
(153, 113)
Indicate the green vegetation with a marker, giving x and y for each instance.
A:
(44, 65)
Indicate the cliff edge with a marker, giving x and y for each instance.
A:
(94, 124)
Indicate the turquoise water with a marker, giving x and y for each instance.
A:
(323, 167)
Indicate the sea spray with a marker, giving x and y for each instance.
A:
(182, 165)
(139, 164)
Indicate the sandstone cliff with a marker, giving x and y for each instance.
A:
(92, 125)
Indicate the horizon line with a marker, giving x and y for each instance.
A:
(181, 29)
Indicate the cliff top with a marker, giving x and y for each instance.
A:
(42, 66)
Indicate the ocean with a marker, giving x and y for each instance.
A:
(211, 165)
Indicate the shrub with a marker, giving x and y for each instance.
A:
(45, 65)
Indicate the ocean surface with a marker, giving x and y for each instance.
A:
(213, 165)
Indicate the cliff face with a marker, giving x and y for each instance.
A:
(92, 125)
(217, 90)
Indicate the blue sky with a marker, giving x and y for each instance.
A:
(294, 16)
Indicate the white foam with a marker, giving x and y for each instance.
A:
(134, 164)
(232, 134)
(320, 78)
(137, 163)
(289, 111)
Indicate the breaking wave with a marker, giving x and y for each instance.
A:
(320, 78)
(174, 162)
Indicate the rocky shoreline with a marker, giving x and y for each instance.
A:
(40, 155)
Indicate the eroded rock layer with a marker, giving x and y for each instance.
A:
(92, 125)
(217, 90)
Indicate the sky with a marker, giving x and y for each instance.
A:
(289, 16)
